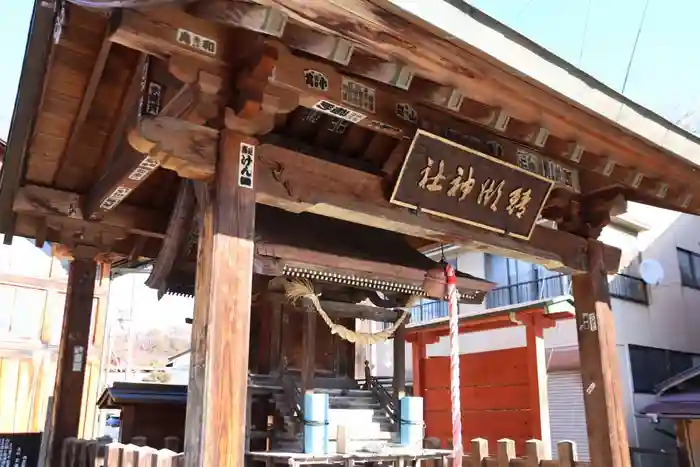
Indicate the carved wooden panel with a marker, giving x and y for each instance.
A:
(456, 182)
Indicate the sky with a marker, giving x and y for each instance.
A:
(598, 36)
(15, 16)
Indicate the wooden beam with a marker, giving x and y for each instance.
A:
(345, 310)
(176, 237)
(224, 287)
(300, 183)
(57, 204)
(165, 32)
(386, 28)
(88, 97)
(307, 184)
(72, 355)
(600, 370)
(131, 169)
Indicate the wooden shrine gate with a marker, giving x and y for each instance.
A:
(167, 133)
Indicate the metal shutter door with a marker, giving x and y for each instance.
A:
(567, 414)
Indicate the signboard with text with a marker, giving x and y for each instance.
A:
(455, 182)
(20, 449)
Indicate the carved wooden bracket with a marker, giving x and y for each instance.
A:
(188, 149)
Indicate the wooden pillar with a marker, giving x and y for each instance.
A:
(418, 352)
(276, 338)
(537, 376)
(217, 397)
(600, 370)
(400, 362)
(308, 363)
(72, 355)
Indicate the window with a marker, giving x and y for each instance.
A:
(689, 264)
(651, 366)
(520, 281)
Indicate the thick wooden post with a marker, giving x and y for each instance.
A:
(600, 370)
(400, 362)
(223, 299)
(308, 362)
(72, 355)
(537, 371)
(418, 352)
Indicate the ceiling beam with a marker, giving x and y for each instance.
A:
(88, 97)
(300, 183)
(386, 29)
(40, 201)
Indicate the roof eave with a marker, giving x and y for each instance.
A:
(463, 23)
(31, 87)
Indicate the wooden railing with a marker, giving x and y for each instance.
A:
(96, 453)
(293, 397)
(385, 399)
(478, 454)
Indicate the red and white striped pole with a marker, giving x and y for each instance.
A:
(454, 365)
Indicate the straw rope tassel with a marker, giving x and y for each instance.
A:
(454, 365)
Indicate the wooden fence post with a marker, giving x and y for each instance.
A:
(167, 458)
(114, 455)
(534, 451)
(147, 456)
(130, 456)
(566, 451)
(139, 441)
(480, 451)
(506, 452)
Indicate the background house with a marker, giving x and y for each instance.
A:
(657, 326)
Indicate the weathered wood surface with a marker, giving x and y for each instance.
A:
(94, 453)
(179, 228)
(224, 286)
(296, 182)
(457, 183)
(194, 420)
(600, 368)
(72, 355)
(60, 205)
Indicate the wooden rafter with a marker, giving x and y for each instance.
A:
(88, 97)
(461, 89)
(56, 204)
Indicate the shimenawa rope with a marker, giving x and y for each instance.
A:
(298, 289)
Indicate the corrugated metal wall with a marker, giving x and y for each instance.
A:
(567, 414)
(32, 296)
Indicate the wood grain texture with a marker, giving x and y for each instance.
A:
(296, 182)
(72, 354)
(224, 283)
(175, 239)
(600, 368)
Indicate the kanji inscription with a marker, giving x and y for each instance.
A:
(446, 179)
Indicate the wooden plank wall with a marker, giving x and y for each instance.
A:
(32, 295)
(495, 397)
